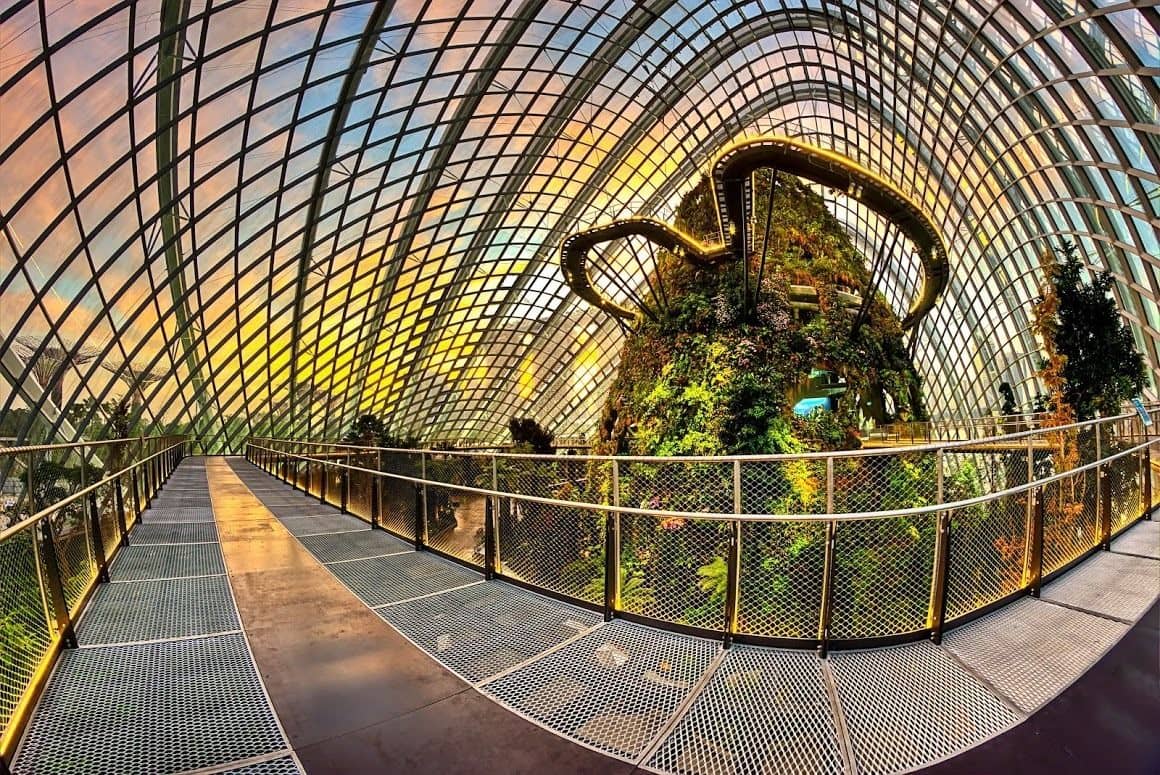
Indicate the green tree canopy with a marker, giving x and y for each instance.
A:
(529, 434)
(1103, 368)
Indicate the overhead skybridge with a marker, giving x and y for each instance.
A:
(732, 190)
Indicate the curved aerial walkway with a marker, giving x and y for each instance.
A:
(374, 657)
(731, 175)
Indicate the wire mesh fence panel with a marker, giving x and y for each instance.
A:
(361, 482)
(399, 507)
(74, 554)
(455, 522)
(1070, 522)
(333, 476)
(882, 482)
(316, 473)
(558, 548)
(882, 572)
(1150, 463)
(972, 471)
(783, 486)
(14, 495)
(464, 470)
(780, 589)
(25, 633)
(560, 477)
(53, 476)
(109, 518)
(677, 486)
(987, 556)
(674, 569)
(1126, 487)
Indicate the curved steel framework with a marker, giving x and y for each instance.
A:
(300, 211)
(731, 176)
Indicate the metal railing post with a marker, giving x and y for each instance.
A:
(309, 475)
(30, 483)
(733, 582)
(155, 465)
(147, 481)
(489, 563)
(733, 563)
(827, 601)
(98, 539)
(1147, 479)
(376, 502)
(420, 518)
(936, 615)
(323, 479)
(119, 504)
(1039, 497)
(344, 485)
(55, 585)
(825, 605)
(612, 549)
(136, 496)
(1105, 508)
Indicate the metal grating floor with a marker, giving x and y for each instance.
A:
(1031, 650)
(912, 704)
(152, 610)
(613, 689)
(283, 765)
(174, 533)
(180, 501)
(306, 508)
(384, 580)
(175, 514)
(137, 563)
(763, 711)
(142, 710)
(324, 523)
(484, 629)
(340, 547)
(1112, 584)
(1143, 539)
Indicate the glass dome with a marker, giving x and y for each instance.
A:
(268, 218)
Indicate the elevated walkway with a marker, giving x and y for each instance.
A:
(368, 656)
(163, 679)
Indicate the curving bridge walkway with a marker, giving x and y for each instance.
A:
(378, 658)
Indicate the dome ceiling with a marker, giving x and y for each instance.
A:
(267, 218)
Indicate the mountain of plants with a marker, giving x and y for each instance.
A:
(718, 367)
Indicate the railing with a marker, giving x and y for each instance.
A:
(929, 431)
(65, 511)
(825, 550)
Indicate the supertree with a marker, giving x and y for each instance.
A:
(50, 357)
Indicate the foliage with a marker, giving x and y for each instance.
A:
(1007, 406)
(720, 368)
(528, 435)
(1092, 365)
(370, 431)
